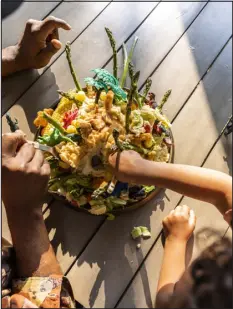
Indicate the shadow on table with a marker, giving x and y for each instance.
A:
(35, 98)
(112, 249)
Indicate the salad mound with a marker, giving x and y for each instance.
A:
(90, 123)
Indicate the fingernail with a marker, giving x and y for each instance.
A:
(56, 44)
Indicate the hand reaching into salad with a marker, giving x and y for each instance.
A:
(126, 165)
(187, 180)
(38, 44)
(25, 174)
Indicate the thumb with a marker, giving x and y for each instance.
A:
(11, 142)
(47, 53)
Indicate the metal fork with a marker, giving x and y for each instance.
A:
(46, 148)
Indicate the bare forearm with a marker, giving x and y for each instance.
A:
(34, 253)
(199, 183)
(173, 266)
(9, 60)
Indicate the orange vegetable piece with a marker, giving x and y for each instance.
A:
(40, 121)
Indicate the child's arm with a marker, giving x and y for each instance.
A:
(199, 183)
(178, 227)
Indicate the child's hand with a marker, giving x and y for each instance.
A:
(126, 166)
(180, 223)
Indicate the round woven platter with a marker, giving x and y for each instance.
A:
(129, 207)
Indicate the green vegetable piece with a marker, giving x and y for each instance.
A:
(145, 232)
(149, 189)
(54, 186)
(55, 138)
(115, 134)
(113, 45)
(99, 201)
(54, 123)
(146, 89)
(131, 70)
(116, 201)
(134, 82)
(127, 60)
(68, 57)
(110, 217)
(136, 232)
(137, 122)
(70, 96)
(164, 99)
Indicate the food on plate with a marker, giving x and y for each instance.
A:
(139, 231)
(90, 123)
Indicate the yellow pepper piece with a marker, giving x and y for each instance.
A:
(103, 96)
(71, 129)
(80, 96)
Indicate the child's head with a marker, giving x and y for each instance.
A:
(208, 281)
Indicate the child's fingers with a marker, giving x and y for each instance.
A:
(178, 209)
(192, 218)
(185, 211)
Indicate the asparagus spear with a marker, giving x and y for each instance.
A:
(54, 123)
(146, 90)
(133, 90)
(115, 134)
(69, 96)
(131, 74)
(68, 56)
(12, 124)
(113, 45)
(127, 60)
(164, 99)
(131, 71)
(124, 145)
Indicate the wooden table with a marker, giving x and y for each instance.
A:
(183, 46)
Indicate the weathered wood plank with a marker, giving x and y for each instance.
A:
(58, 220)
(154, 42)
(117, 258)
(192, 56)
(87, 54)
(86, 13)
(210, 113)
(142, 291)
(15, 22)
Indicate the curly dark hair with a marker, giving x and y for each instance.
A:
(211, 273)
